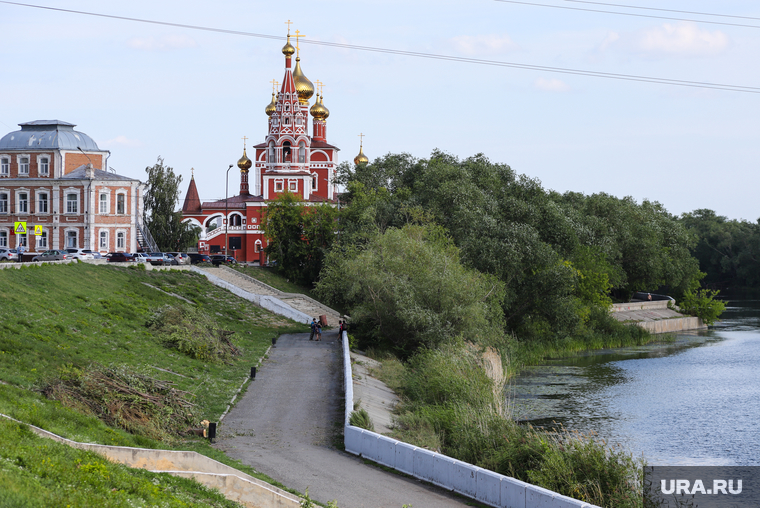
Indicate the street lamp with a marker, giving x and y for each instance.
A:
(226, 208)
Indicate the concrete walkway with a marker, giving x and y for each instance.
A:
(290, 417)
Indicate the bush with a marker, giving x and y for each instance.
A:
(361, 419)
(702, 303)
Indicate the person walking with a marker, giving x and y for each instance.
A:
(319, 331)
(313, 328)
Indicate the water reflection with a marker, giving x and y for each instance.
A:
(693, 401)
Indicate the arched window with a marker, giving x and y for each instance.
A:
(270, 156)
(286, 152)
(301, 152)
(236, 220)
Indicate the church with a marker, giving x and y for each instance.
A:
(290, 160)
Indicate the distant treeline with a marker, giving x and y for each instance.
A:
(728, 250)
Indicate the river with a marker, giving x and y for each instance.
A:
(695, 401)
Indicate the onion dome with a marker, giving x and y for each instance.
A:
(288, 50)
(318, 110)
(361, 158)
(271, 107)
(304, 87)
(244, 163)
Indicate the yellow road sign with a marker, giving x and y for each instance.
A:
(38, 230)
(19, 228)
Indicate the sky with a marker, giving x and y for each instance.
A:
(189, 96)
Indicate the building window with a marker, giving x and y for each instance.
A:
(120, 204)
(71, 240)
(287, 120)
(42, 243)
(3, 238)
(301, 152)
(270, 156)
(103, 203)
(313, 182)
(120, 240)
(23, 202)
(235, 220)
(5, 166)
(72, 203)
(44, 166)
(42, 202)
(293, 186)
(257, 246)
(103, 240)
(21, 239)
(23, 165)
(278, 186)
(3, 202)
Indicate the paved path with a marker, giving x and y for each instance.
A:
(286, 423)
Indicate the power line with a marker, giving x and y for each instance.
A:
(663, 10)
(432, 56)
(626, 13)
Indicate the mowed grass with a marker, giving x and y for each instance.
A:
(56, 317)
(53, 316)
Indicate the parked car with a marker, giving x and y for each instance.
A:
(155, 258)
(218, 259)
(79, 254)
(95, 254)
(199, 258)
(52, 255)
(140, 257)
(179, 258)
(8, 254)
(120, 257)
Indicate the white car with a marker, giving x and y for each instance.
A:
(140, 257)
(8, 254)
(79, 254)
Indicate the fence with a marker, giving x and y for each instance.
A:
(481, 484)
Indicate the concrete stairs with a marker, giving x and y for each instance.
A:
(655, 317)
(298, 301)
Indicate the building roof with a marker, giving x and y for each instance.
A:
(80, 173)
(233, 202)
(192, 199)
(48, 135)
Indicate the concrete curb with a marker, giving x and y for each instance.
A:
(233, 484)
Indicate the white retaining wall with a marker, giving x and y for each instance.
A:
(485, 486)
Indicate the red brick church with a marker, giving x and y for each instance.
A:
(289, 160)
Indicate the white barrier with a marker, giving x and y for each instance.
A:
(485, 486)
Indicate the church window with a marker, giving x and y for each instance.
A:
(287, 107)
(301, 152)
(257, 246)
(313, 181)
(287, 120)
(293, 187)
(235, 220)
(270, 156)
(286, 152)
(278, 186)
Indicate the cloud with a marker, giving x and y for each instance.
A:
(551, 85)
(123, 141)
(669, 40)
(165, 43)
(483, 44)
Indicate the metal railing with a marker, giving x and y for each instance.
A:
(144, 237)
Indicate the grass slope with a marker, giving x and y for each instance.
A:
(56, 317)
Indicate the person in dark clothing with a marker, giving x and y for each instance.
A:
(313, 328)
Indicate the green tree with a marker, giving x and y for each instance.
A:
(408, 289)
(299, 237)
(159, 213)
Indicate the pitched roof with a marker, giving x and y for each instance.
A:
(80, 173)
(192, 199)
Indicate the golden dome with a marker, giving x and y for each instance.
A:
(271, 107)
(288, 48)
(318, 110)
(244, 163)
(361, 158)
(304, 87)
